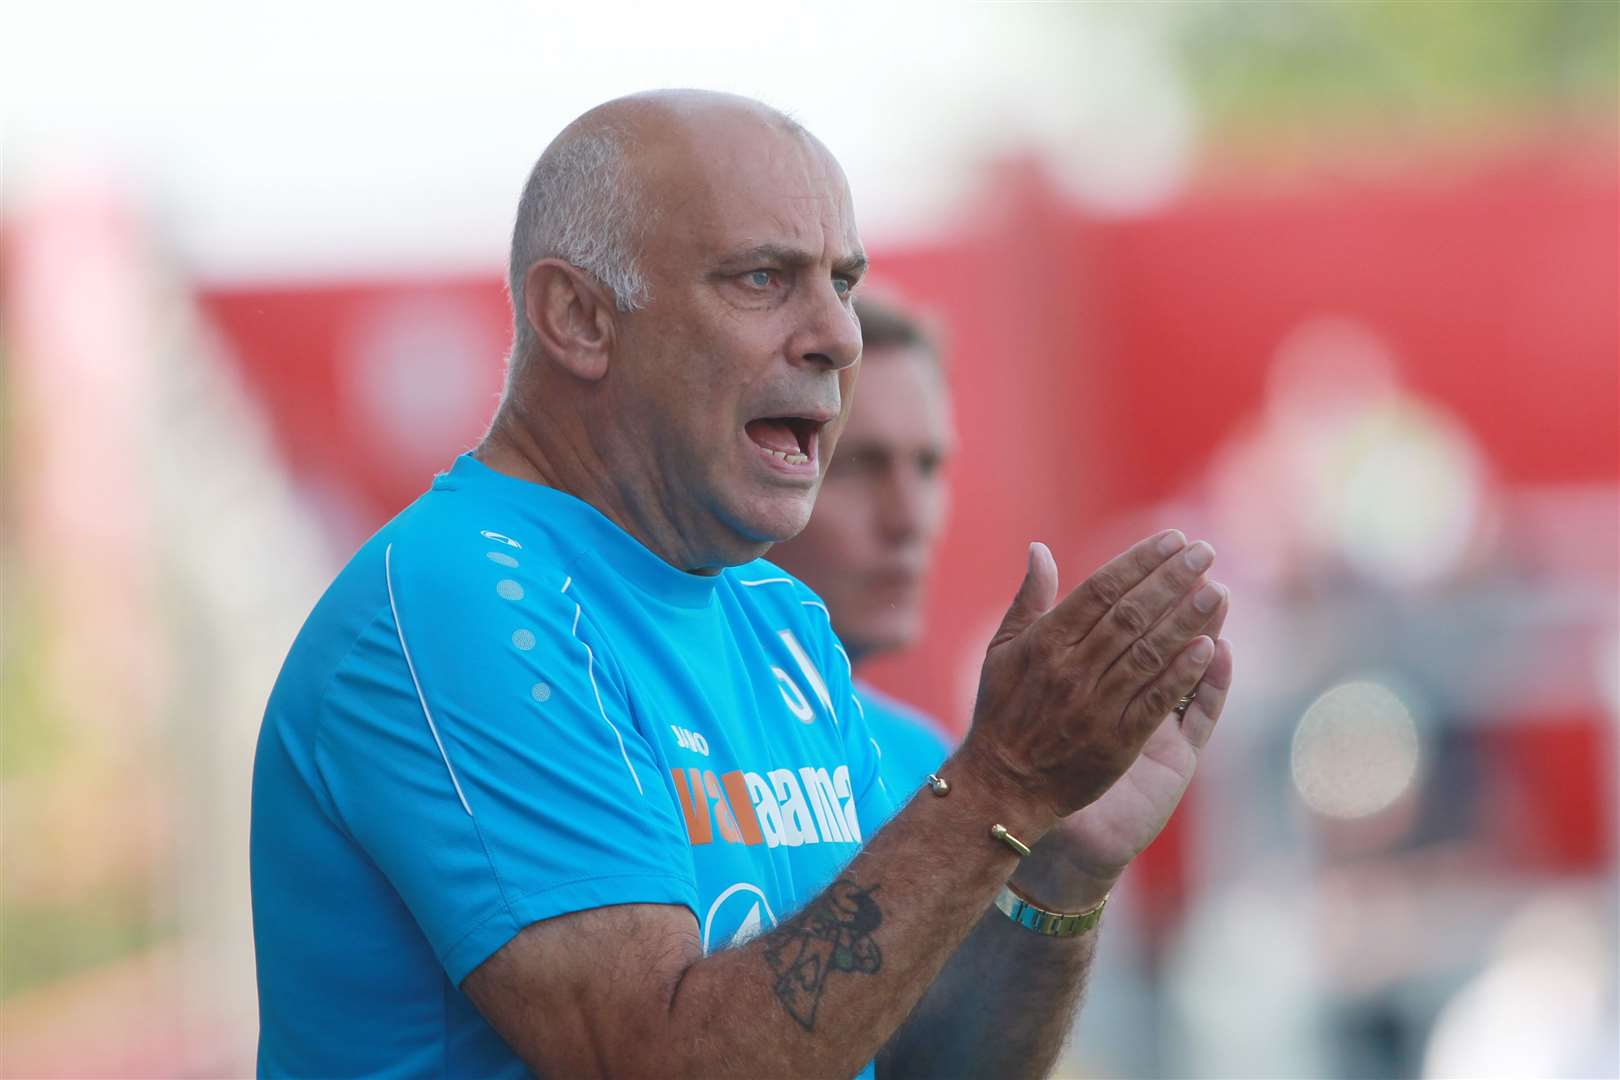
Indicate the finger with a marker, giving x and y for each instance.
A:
(1218, 623)
(1139, 610)
(1198, 723)
(1151, 653)
(1148, 708)
(1074, 618)
(1034, 597)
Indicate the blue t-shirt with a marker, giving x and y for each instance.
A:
(505, 709)
(910, 742)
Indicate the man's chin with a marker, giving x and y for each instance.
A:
(882, 633)
(776, 518)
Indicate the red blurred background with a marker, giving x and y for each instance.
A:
(1097, 368)
(1335, 286)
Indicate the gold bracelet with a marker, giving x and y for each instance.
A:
(941, 787)
(998, 831)
(1038, 920)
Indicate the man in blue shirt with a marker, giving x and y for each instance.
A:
(869, 544)
(559, 776)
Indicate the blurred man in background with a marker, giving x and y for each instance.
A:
(870, 542)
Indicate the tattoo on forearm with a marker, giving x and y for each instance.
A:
(833, 934)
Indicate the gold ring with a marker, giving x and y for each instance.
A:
(1182, 703)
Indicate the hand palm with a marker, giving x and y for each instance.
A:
(1102, 837)
(1107, 834)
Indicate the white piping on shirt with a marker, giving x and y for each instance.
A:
(590, 671)
(393, 607)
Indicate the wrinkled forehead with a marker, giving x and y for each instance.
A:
(741, 181)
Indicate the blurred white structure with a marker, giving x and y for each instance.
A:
(150, 506)
(1355, 751)
(307, 138)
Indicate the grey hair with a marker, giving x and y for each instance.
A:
(583, 204)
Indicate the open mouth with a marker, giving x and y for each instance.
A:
(789, 439)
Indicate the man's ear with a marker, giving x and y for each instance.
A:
(571, 314)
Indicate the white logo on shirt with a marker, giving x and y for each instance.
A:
(807, 668)
(690, 740)
(500, 538)
(797, 703)
(748, 905)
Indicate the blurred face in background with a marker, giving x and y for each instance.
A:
(869, 544)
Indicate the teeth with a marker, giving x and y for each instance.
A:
(791, 459)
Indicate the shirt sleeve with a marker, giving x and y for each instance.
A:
(480, 751)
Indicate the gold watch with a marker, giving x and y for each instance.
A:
(1038, 920)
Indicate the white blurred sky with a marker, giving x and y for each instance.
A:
(304, 138)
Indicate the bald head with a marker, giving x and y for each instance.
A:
(600, 185)
(683, 272)
(667, 109)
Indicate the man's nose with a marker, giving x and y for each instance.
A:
(829, 336)
(901, 506)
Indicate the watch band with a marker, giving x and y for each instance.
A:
(1038, 920)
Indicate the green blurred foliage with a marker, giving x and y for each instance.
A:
(48, 941)
(1408, 66)
(33, 736)
(45, 938)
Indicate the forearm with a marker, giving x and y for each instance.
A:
(831, 985)
(1002, 1006)
(1007, 999)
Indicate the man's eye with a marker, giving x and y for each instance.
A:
(843, 286)
(759, 279)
